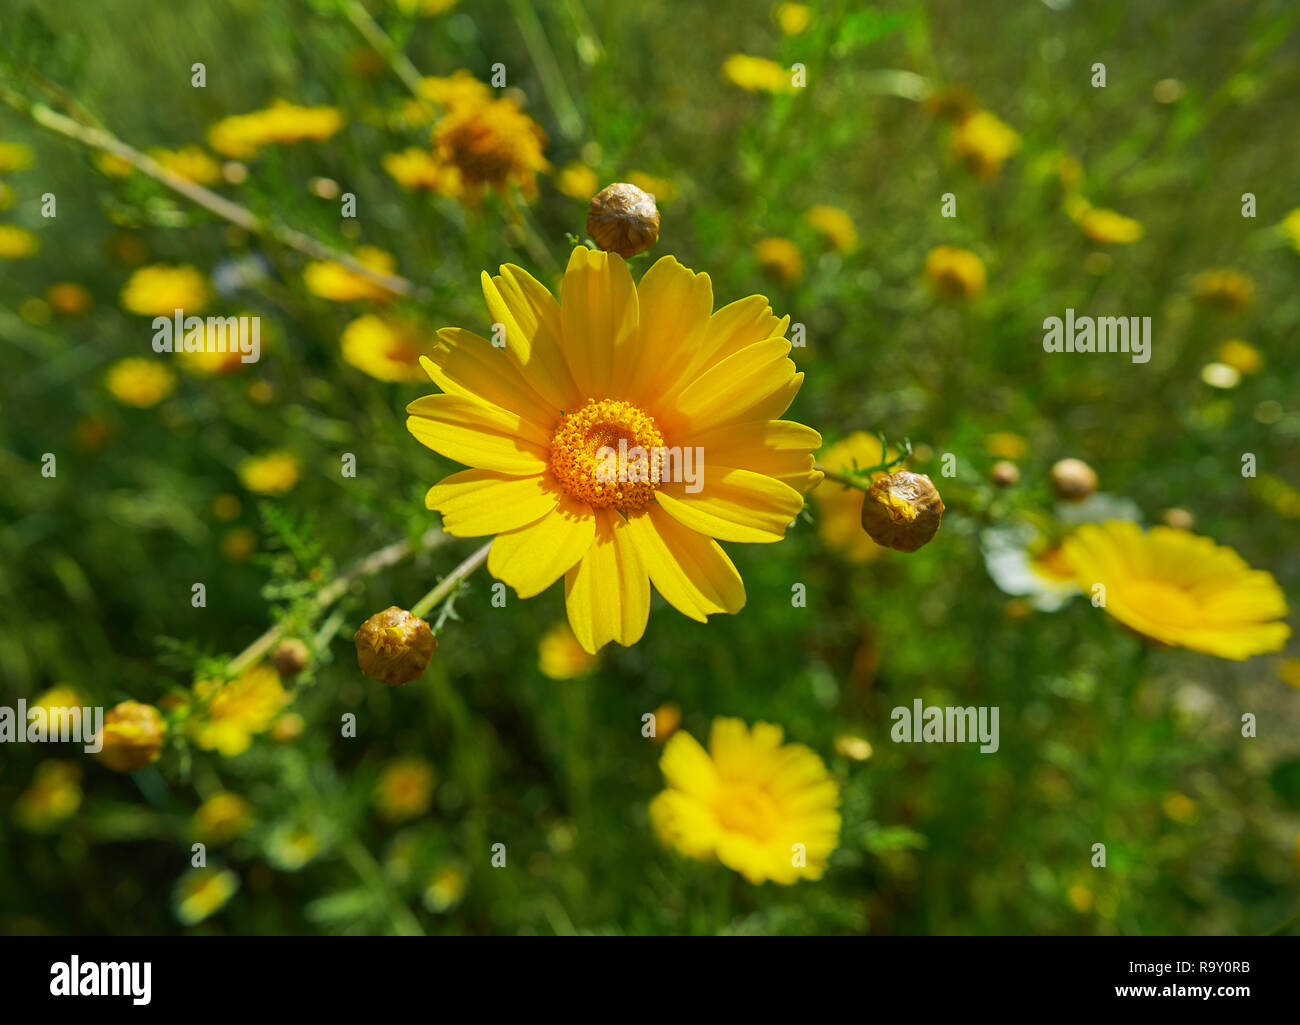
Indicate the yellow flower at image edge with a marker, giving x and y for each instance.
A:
(1180, 589)
(387, 350)
(161, 290)
(764, 809)
(237, 709)
(612, 367)
(985, 143)
(133, 736)
(137, 381)
(17, 243)
(201, 892)
(405, 789)
(271, 473)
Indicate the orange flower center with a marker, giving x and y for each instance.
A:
(608, 454)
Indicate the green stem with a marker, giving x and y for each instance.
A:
(450, 582)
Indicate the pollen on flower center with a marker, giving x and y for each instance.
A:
(608, 454)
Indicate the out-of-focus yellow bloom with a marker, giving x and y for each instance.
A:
(201, 892)
(985, 143)
(133, 736)
(792, 19)
(14, 156)
(112, 165)
(424, 8)
(240, 136)
(238, 544)
(560, 656)
(1290, 228)
(237, 709)
(415, 168)
(405, 789)
(17, 243)
(1288, 671)
(1080, 898)
(836, 225)
(764, 809)
(460, 89)
(221, 818)
(137, 381)
(210, 360)
(954, 273)
(951, 103)
(1179, 589)
(190, 162)
(270, 473)
(333, 281)
(1241, 356)
(68, 299)
(53, 796)
(492, 143)
(577, 181)
(160, 290)
(291, 847)
(781, 258)
(1109, 228)
(1224, 289)
(662, 189)
(668, 717)
(853, 747)
(1179, 807)
(56, 698)
(445, 889)
(1006, 445)
(839, 509)
(757, 74)
(288, 727)
(386, 349)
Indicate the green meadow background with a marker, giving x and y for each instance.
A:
(96, 564)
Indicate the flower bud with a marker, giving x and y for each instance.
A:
(394, 647)
(290, 657)
(623, 219)
(1073, 480)
(132, 736)
(902, 511)
(1004, 474)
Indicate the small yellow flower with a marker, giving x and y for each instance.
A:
(460, 89)
(1241, 356)
(763, 809)
(191, 163)
(141, 382)
(201, 892)
(793, 19)
(291, 847)
(1179, 807)
(56, 698)
(577, 181)
(17, 243)
(1179, 589)
(836, 225)
(1290, 228)
(113, 165)
(288, 727)
(237, 709)
(668, 717)
(445, 889)
(1006, 445)
(781, 258)
(221, 818)
(757, 74)
(560, 656)
(1080, 898)
(333, 281)
(1224, 289)
(53, 796)
(270, 473)
(985, 143)
(492, 143)
(160, 290)
(954, 273)
(15, 156)
(839, 508)
(238, 544)
(417, 169)
(405, 789)
(69, 299)
(386, 349)
(133, 736)
(240, 136)
(1109, 228)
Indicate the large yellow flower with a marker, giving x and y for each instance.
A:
(613, 366)
(763, 809)
(1179, 589)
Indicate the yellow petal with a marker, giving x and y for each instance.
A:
(598, 312)
(736, 326)
(532, 558)
(478, 502)
(723, 392)
(465, 364)
(734, 505)
(531, 317)
(687, 767)
(777, 448)
(479, 435)
(690, 570)
(608, 593)
(674, 304)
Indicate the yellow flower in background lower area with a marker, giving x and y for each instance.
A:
(560, 656)
(161, 290)
(1224, 289)
(780, 258)
(271, 473)
(757, 74)
(240, 136)
(1180, 589)
(415, 168)
(1241, 356)
(955, 273)
(201, 892)
(405, 789)
(15, 156)
(836, 225)
(763, 809)
(190, 162)
(1108, 227)
(17, 243)
(612, 367)
(577, 181)
(221, 818)
(237, 709)
(333, 281)
(137, 381)
(386, 349)
(839, 509)
(53, 796)
(133, 736)
(492, 143)
(985, 143)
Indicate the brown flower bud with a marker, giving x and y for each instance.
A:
(1004, 474)
(622, 219)
(132, 736)
(290, 657)
(394, 647)
(1073, 480)
(902, 511)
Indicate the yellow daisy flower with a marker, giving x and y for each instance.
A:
(763, 809)
(836, 225)
(491, 143)
(333, 281)
(53, 796)
(985, 143)
(137, 381)
(271, 473)
(221, 818)
(387, 350)
(17, 243)
(240, 136)
(133, 736)
(160, 290)
(1241, 356)
(1224, 289)
(780, 258)
(416, 168)
(202, 892)
(560, 656)
(793, 19)
(1109, 228)
(756, 74)
(577, 181)
(1179, 589)
(955, 273)
(405, 789)
(14, 156)
(237, 709)
(191, 163)
(647, 370)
